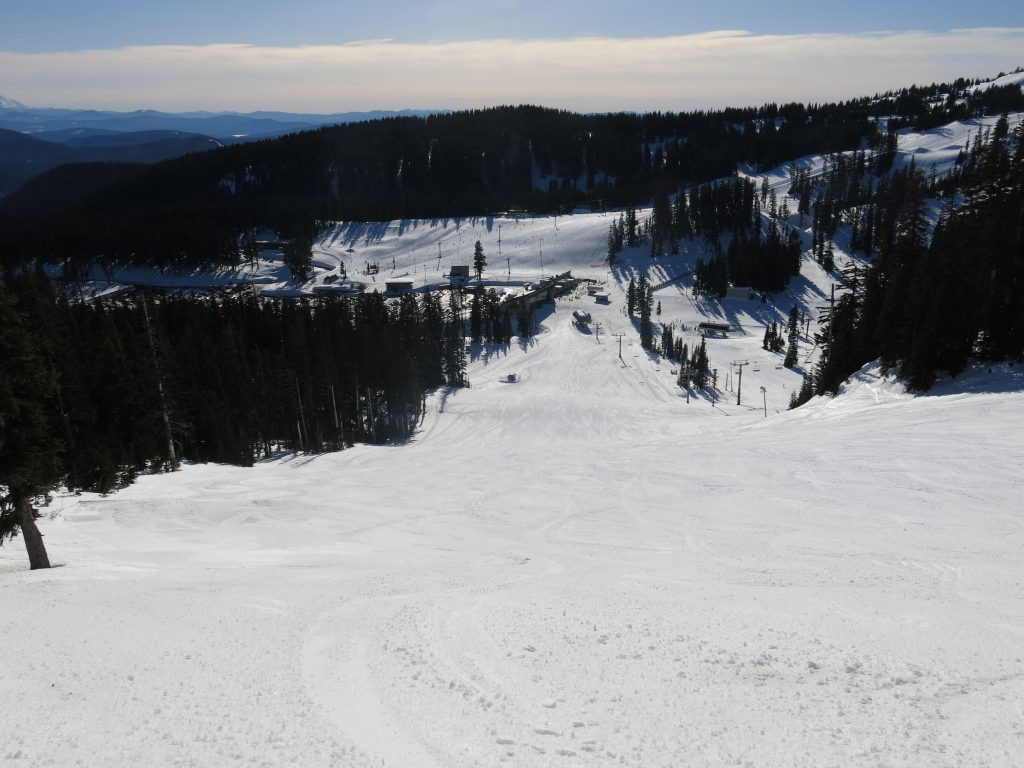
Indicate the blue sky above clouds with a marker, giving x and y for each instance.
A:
(333, 56)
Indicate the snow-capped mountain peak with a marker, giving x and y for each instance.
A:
(6, 103)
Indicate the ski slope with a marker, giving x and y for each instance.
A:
(577, 569)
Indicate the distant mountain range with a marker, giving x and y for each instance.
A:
(33, 141)
(24, 156)
(223, 126)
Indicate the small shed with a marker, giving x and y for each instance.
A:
(398, 286)
(581, 318)
(739, 292)
(711, 327)
(458, 276)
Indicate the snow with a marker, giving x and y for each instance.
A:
(1014, 78)
(6, 103)
(938, 148)
(578, 569)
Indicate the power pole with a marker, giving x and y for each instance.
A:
(764, 397)
(597, 332)
(739, 385)
(508, 261)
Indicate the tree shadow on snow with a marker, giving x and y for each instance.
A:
(982, 379)
(483, 350)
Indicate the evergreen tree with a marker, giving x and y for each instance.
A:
(455, 367)
(805, 393)
(699, 365)
(298, 252)
(614, 244)
(29, 453)
(644, 299)
(792, 350)
(476, 316)
(479, 260)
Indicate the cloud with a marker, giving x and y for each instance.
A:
(587, 73)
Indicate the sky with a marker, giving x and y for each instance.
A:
(330, 56)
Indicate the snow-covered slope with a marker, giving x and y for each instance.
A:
(936, 150)
(576, 569)
(1014, 78)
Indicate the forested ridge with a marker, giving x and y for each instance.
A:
(929, 301)
(194, 210)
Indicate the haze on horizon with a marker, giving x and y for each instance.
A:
(319, 56)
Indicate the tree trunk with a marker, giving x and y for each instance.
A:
(30, 532)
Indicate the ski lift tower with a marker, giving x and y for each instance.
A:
(687, 373)
(739, 385)
(620, 335)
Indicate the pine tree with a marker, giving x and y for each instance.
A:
(792, 351)
(613, 248)
(805, 393)
(476, 317)
(455, 367)
(644, 298)
(298, 254)
(699, 365)
(479, 260)
(29, 454)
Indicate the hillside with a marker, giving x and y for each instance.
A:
(24, 157)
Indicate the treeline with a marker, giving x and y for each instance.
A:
(930, 303)
(763, 250)
(193, 210)
(141, 383)
(925, 107)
